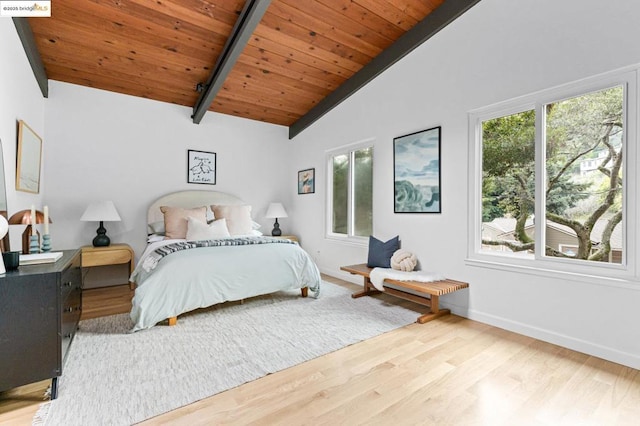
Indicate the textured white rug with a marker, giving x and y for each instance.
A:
(115, 378)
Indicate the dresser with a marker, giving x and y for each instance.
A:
(40, 307)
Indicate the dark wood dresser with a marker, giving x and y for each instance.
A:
(40, 307)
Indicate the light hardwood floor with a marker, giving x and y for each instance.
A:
(451, 371)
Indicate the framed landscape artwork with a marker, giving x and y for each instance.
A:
(416, 172)
(307, 181)
(201, 167)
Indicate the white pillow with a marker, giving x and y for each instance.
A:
(197, 230)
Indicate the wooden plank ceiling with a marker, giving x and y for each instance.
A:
(300, 52)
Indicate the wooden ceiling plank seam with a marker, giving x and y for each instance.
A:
(140, 29)
(174, 11)
(243, 29)
(339, 20)
(297, 24)
(271, 68)
(417, 9)
(389, 12)
(249, 110)
(67, 33)
(283, 62)
(33, 56)
(258, 97)
(282, 82)
(71, 76)
(424, 30)
(105, 71)
(294, 44)
(370, 20)
(264, 43)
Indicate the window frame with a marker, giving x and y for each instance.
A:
(349, 150)
(597, 272)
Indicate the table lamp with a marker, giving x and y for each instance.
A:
(23, 217)
(276, 210)
(101, 211)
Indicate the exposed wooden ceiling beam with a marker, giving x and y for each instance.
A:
(242, 30)
(29, 46)
(421, 32)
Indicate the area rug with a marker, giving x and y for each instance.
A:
(113, 377)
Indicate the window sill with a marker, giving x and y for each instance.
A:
(631, 283)
(349, 241)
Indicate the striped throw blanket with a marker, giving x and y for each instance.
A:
(155, 256)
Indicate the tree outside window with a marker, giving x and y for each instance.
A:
(581, 200)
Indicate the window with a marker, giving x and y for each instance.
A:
(550, 186)
(350, 195)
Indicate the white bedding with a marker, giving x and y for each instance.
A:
(204, 276)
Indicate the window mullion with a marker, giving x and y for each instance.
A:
(540, 181)
(350, 197)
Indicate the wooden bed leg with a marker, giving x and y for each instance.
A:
(173, 321)
(304, 291)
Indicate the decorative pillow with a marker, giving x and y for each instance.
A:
(238, 217)
(380, 252)
(175, 220)
(197, 230)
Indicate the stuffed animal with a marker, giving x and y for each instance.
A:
(403, 260)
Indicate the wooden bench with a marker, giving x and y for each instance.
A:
(415, 291)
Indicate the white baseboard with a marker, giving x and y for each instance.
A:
(589, 348)
(579, 345)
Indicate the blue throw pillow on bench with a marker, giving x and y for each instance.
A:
(380, 252)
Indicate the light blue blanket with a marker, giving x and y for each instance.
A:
(199, 277)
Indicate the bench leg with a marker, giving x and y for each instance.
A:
(368, 289)
(435, 311)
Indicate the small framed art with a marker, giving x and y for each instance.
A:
(307, 181)
(201, 167)
(416, 172)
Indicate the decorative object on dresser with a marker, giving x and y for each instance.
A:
(4, 229)
(40, 308)
(201, 167)
(416, 172)
(29, 159)
(307, 181)
(101, 211)
(25, 217)
(115, 254)
(275, 211)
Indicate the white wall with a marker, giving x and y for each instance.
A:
(108, 146)
(20, 99)
(498, 50)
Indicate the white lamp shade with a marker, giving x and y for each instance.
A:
(101, 211)
(276, 210)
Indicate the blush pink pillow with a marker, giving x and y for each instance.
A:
(238, 218)
(175, 220)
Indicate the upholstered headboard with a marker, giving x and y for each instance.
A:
(187, 199)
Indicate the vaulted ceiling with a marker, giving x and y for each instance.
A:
(285, 62)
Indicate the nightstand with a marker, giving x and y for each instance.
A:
(114, 254)
(290, 237)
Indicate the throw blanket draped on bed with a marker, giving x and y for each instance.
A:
(153, 258)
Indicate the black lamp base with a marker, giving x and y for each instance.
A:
(276, 232)
(101, 240)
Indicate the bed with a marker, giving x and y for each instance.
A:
(218, 260)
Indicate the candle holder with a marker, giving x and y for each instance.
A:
(46, 243)
(23, 217)
(34, 245)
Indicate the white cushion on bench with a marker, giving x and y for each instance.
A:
(378, 275)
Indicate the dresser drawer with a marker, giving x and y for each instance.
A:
(71, 279)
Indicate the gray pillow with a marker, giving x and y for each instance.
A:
(380, 252)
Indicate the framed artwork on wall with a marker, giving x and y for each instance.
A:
(29, 159)
(201, 167)
(416, 172)
(307, 181)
